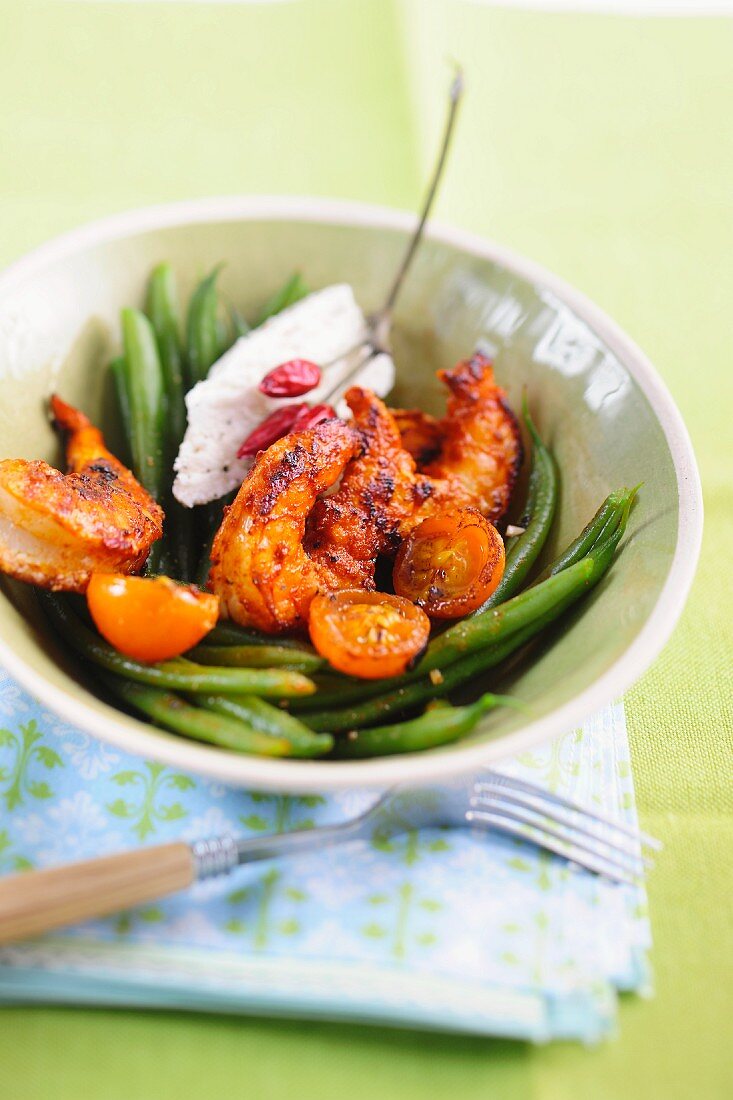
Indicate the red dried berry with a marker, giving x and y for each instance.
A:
(308, 418)
(272, 428)
(291, 379)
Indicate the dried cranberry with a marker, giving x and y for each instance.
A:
(291, 379)
(308, 418)
(272, 428)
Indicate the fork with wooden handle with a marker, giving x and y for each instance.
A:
(37, 901)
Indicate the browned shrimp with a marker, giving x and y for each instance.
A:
(260, 569)
(57, 529)
(481, 445)
(420, 433)
(379, 491)
(383, 494)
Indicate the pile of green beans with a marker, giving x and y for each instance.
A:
(151, 378)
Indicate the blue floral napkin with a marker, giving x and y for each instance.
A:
(451, 930)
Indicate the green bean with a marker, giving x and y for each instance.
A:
(585, 574)
(603, 523)
(180, 675)
(178, 553)
(239, 324)
(173, 713)
(118, 370)
(541, 501)
(288, 294)
(203, 568)
(270, 720)
(228, 633)
(161, 307)
(209, 518)
(202, 329)
(437, 726)
(255, 656)
(223, 334)
(147, 402)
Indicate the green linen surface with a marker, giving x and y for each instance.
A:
(600, 146)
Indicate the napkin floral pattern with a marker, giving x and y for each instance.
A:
(443, 929)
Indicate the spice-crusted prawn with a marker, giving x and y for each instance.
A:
(379, 492)
(420, 433)
(260, 569)
(57, 529)
(383, 495)
(481, 444)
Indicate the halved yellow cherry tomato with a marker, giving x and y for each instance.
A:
(150, 618)
(368, 634)
(450, 564)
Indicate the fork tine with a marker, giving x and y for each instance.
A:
(574, 819)
(567, 835)
(495, 779)
(502, 824)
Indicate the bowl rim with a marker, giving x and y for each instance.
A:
(301, 776)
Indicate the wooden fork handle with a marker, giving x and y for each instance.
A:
(37, 901)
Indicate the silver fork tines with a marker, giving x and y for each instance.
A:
(533, 810)
(588, 838)
(495, 780)
(503, 824)
(545, 827)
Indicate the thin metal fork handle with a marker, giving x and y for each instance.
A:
(219, 855)
(298, 840)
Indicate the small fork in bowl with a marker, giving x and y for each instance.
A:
(37, 901)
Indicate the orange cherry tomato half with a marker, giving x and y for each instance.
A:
(150, 618)
(368, 634)
(450, 564)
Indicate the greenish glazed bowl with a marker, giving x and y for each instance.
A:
(599, 402)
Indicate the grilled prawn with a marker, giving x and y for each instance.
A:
(383, 494)
(347, 531)
(420, 434)
(260, 569)
(472, 455)
(57, 529)
(480, 442)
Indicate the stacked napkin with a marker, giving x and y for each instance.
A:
(454, 930)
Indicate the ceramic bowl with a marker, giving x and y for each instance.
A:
(596, 398)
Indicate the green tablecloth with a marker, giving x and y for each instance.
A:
(603, 148)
